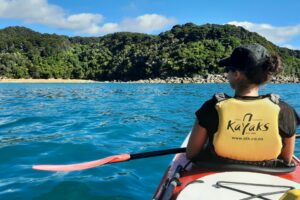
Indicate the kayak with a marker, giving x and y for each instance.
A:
(185, 181)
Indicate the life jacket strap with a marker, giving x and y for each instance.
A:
(220, 96)
(275, 98)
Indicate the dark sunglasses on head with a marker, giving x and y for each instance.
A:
(230, 68)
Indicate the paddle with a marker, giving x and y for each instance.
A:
(107, 160)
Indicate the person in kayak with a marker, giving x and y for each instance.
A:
(248, 127)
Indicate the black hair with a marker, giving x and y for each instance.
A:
(262, 73)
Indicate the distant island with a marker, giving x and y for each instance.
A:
(186, 51)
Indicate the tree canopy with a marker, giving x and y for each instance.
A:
(185, 50)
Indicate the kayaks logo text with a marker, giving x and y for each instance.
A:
(247, 125)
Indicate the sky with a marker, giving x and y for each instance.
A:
(276, 20)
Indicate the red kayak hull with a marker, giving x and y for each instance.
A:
(191, 174)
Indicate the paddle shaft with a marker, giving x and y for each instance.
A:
(163, 152)
(156, 153)
(111, 159)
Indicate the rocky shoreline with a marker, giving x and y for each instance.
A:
(211, 78)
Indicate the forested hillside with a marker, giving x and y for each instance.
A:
(185, 50)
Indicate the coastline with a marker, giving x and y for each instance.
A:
(23, 80)
(210, 78)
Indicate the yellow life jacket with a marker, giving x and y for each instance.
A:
(248, 129)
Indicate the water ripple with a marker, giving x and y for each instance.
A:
(71, 123)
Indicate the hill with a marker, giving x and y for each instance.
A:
(185, 50)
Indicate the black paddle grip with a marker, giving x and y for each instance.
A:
(156, 153)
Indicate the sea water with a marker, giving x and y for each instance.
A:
(72, 123)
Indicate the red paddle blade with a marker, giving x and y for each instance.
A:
(81, 166)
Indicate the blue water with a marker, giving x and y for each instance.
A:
(70, 123)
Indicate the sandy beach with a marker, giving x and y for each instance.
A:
(210, 78)
(7, 80)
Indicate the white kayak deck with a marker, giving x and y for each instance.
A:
(205, 187)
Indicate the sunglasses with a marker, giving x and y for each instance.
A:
(230, 68)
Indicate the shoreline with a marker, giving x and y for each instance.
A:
(23, 80)
(210, 78)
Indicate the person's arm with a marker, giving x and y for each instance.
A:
(197, 140)
(287, 150)
(288, 122)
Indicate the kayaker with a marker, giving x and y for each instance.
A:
(248, 127)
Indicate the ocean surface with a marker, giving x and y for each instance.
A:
(71, 123)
